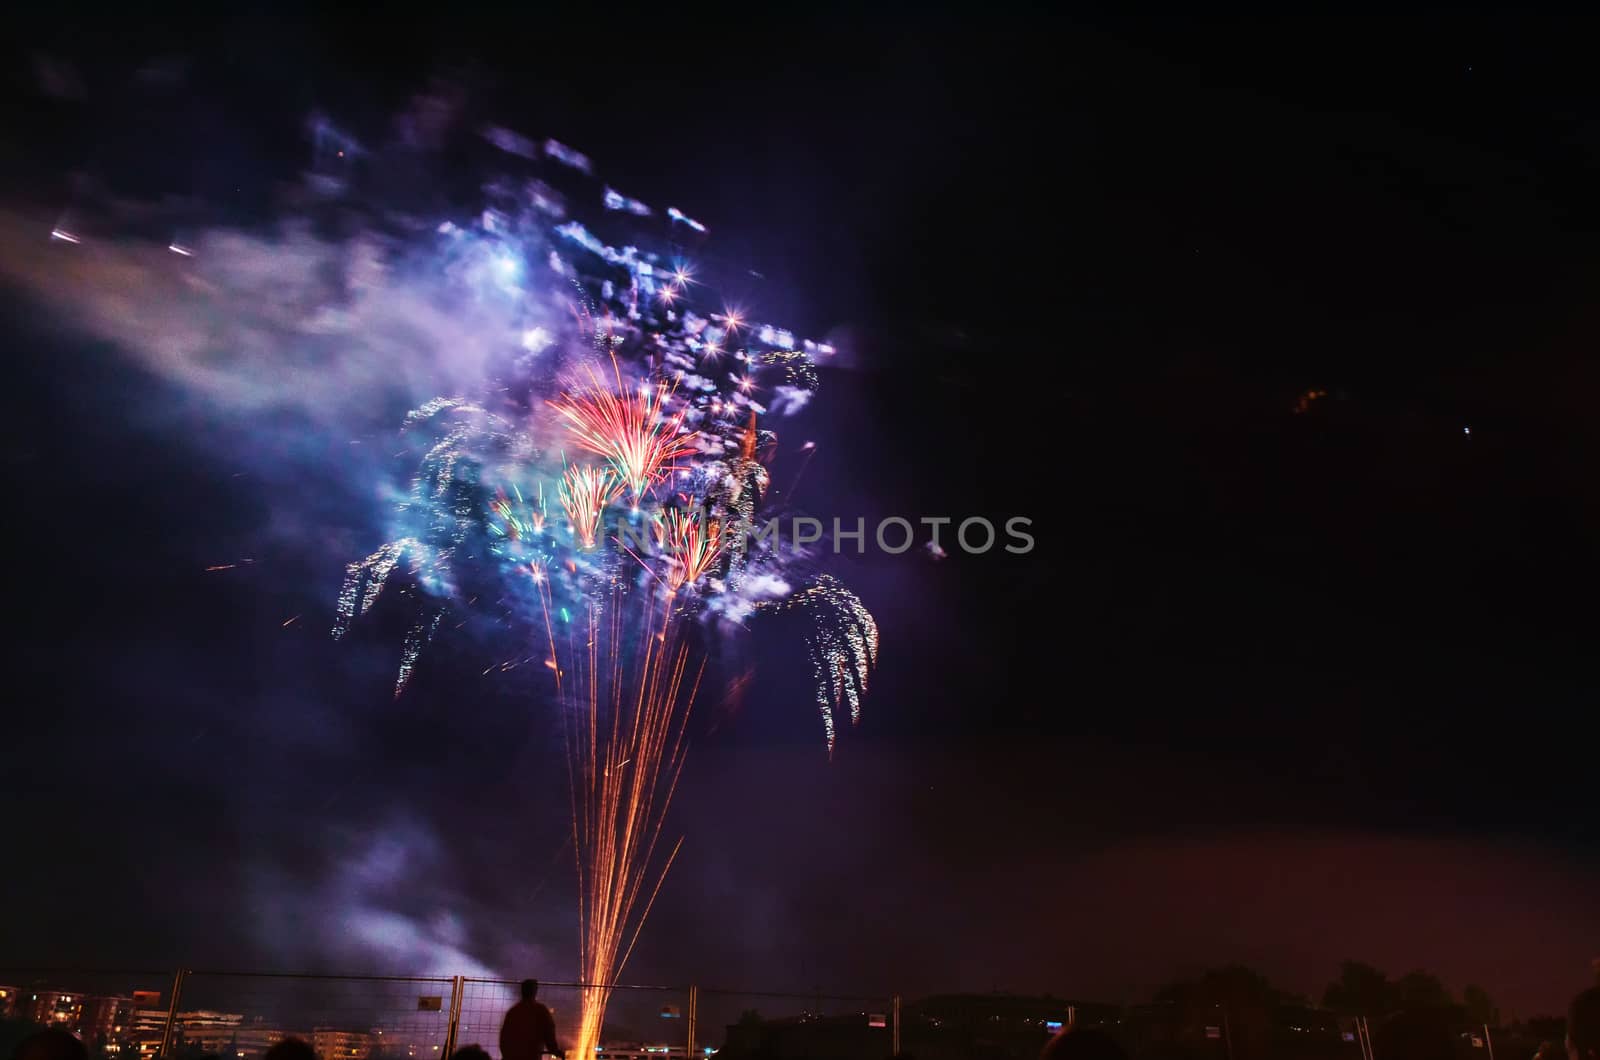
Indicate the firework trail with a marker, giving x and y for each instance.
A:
(442, 495)
(364, 581)
(626, 686)
(417, 638)
(843, 644)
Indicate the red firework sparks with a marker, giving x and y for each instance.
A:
(631, 429)
(586, 492)
(690, 544)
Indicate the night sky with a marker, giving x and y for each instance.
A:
(1274, 687)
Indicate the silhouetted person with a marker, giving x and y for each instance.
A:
(291, 1049)
(471, 1052)
(1082, 1044)
(1583, 1026)
(529, 1030)
(52, 1044)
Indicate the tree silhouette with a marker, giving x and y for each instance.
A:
(1422, 991)
(1479, 1007)
(1239, 998)
(1360, 990)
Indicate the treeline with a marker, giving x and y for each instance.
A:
(1414, 1016)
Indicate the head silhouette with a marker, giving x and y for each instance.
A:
(1583, 1025)
(470, 1052)
(530, 989)
(52, 1044)
(291, 1049)
(1084, 1044)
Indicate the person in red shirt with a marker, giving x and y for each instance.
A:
(529, 1030)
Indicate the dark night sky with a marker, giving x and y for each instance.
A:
(1273, 688)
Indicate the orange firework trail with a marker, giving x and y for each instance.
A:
(586, 492)
(689, 543)
(626, 705)
(629, 429)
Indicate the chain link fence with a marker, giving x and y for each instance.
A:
(238, 1016)
(641, 1021)
(220, 1015)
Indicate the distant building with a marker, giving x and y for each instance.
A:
(8, 1002)
(53, 1008)
(640, 1051)
(334, 1044)
(946, 1027)
(254, 1038)
(999, 1024)
(847, 1037)
(107, 1023)
(407, 1043)
(148, 1026)
(201, 1029)
(210, 1032)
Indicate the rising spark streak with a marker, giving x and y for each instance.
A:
(626, 710)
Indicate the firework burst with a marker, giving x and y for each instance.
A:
(690, 543)
(630, 429)
(679, 431)
(586, 493)
(516, 519)
(798, 370)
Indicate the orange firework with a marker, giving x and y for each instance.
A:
(690, 543)
(630, 429)
(586, 493)
(626, 706)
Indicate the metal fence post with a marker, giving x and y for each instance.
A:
(894, 1026)
(172, 1011)
(457, 988)
(694, 1020)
